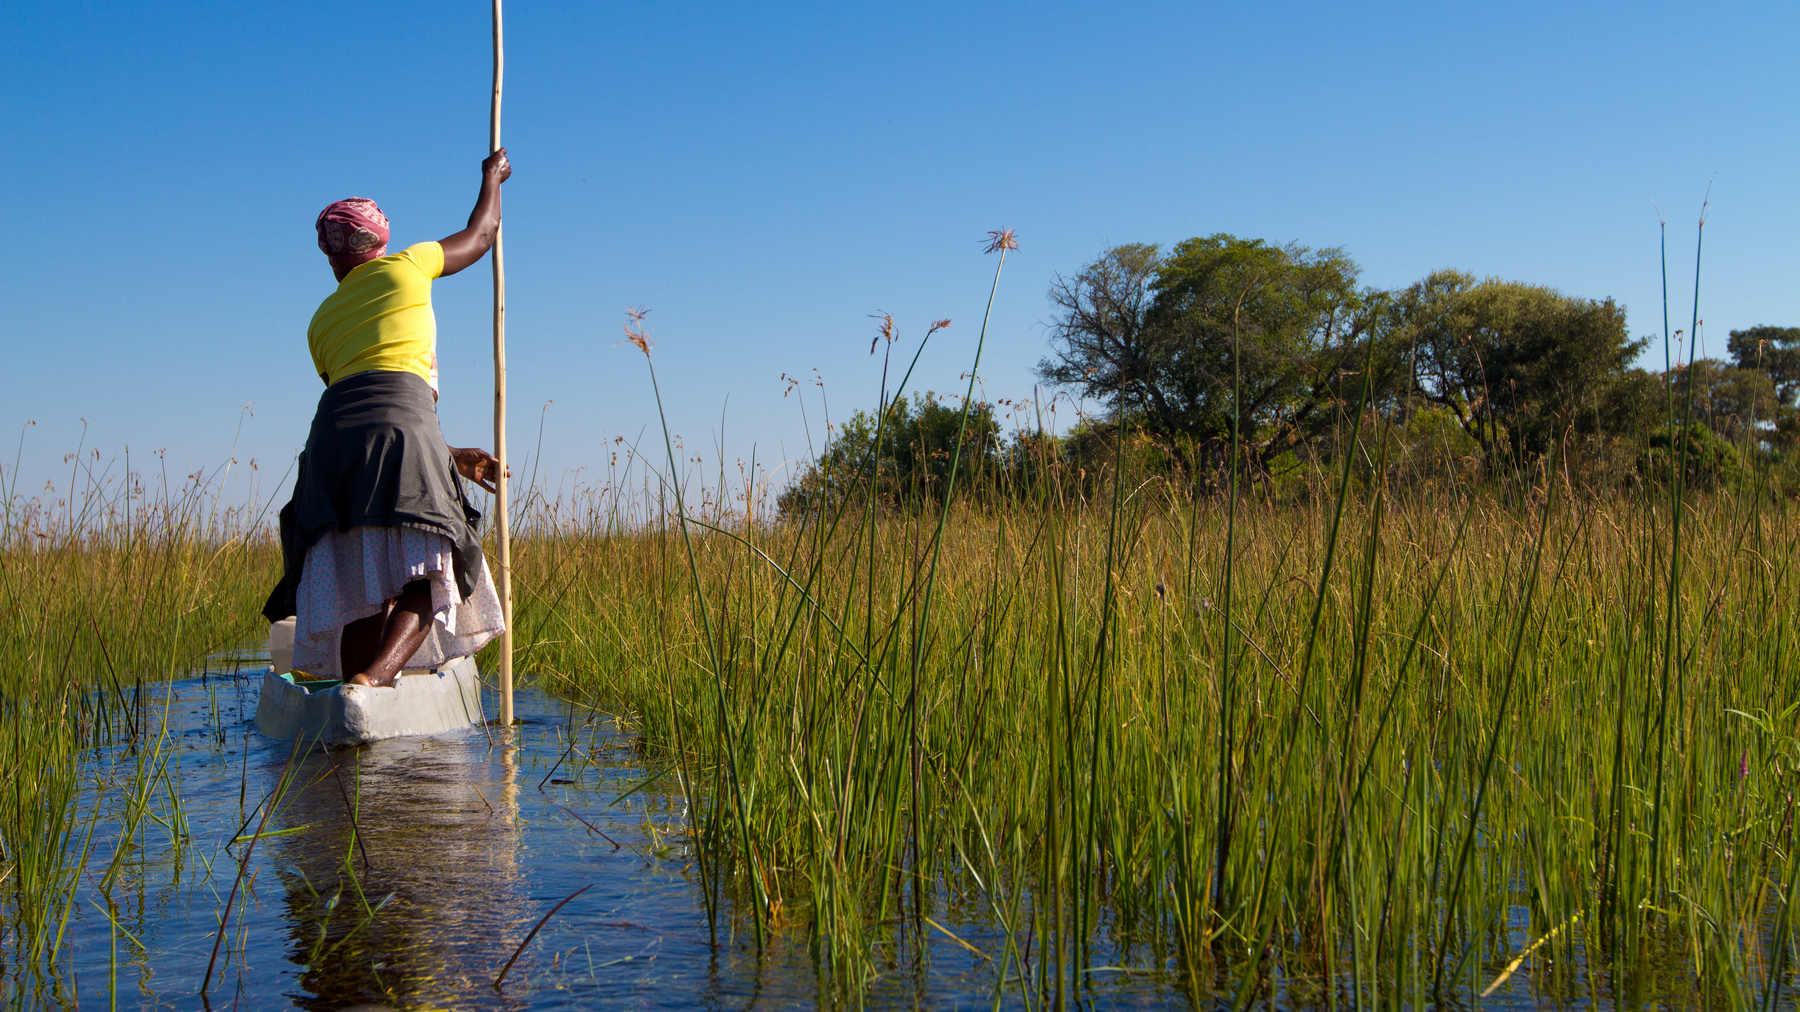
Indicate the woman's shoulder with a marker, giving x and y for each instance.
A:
(425, 257)
(428, 257)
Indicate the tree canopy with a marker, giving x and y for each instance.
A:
(1279, 344)
(1152, 337)
(905, 459)
(1517, 364)
(1773, 351)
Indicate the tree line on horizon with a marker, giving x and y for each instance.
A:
(1465, 376)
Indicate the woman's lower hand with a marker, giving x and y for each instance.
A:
(479, 466)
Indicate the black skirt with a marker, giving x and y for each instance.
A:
(375, 458)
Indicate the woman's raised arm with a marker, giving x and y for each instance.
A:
(473, 242)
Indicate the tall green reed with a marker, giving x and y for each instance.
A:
(1119, 721)
(1008, 735)
(106, 583)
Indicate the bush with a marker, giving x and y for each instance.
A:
(1711, 461)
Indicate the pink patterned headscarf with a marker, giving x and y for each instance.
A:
(352, 232)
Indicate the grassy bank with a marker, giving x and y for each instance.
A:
(1368, 758)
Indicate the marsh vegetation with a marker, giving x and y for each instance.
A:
(1397, 730)
(1374, 746)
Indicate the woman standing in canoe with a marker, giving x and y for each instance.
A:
(380, 547)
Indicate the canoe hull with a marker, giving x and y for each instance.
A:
(418, 703)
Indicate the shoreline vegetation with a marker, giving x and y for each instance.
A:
(1382, 730)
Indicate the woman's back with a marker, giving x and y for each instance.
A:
(380, 319)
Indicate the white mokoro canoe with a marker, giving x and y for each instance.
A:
(331, 713)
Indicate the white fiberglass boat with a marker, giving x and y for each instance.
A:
(332, 714)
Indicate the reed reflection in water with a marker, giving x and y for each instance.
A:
(431, 900)
(471, 838)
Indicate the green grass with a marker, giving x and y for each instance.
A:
(1389, 780)
(1382, 747)
(1388, 746)
(1442, 752)
(101, 590)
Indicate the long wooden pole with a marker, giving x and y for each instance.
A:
(503, 529)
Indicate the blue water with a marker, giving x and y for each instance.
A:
(463, 842)
(467, 840)
(460, 855)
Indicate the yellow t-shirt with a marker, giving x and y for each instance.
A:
(380, 319)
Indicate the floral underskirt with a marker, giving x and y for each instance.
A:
(353, 574)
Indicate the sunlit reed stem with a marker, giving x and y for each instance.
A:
(1672, 609)
(740, 815)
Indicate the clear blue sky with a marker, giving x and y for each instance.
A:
(766, 176)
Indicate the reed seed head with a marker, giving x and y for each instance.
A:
(1001, 241)
(635, 331)
(885, 331)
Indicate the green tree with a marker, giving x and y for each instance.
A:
(1631, 403)
(1517, 364)
(1771, 350)
(1711, 462)
(1729, 400)
(1152, 337)
(911, 460)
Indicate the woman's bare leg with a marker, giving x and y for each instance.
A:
(361, 642)
(407, 623)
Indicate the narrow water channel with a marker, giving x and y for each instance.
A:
(466, 840)
(407, 873)
(462, 843)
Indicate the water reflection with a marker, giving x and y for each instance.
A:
(401, 865)
(471, 837)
